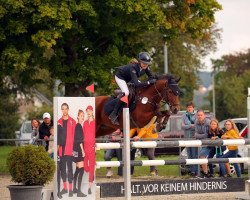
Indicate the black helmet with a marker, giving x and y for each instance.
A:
(144, 57)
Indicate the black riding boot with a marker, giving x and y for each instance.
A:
(114, 115)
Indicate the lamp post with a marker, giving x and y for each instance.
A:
(166, 64)
(213, 83)
(165, 58)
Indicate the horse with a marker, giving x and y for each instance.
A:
(148, 104)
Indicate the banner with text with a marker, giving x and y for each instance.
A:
(168, 187)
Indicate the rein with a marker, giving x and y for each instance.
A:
(158, 97)
(163, 98)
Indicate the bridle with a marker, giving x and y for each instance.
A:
(164, 99)
(156, 104)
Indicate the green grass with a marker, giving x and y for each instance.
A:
(139, 171)
(168, 171)
(4, 151)
(165, 170)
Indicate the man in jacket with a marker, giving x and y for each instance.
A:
(44, 128)
(202, 125)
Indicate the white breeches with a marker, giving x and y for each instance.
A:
(122, 85)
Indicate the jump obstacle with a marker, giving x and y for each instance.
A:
(126, 163)
(183, 143)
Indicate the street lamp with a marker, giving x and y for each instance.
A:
(165, 58)
(213, 82)
(166, 65)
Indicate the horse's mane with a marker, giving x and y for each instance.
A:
(164, 76)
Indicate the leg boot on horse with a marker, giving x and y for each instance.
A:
(114, 115)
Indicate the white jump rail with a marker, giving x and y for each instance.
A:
(181, 143)
(246, 160)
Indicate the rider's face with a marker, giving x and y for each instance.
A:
(143, 65)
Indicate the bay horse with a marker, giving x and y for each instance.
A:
(148, 104)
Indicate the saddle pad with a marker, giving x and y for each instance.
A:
(109, 105)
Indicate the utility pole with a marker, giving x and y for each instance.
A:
(166, 65)
(213, 82)
(165, 58)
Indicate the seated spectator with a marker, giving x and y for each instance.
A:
(147, 132)
(35, 123)
(231, 133)
(202, 125)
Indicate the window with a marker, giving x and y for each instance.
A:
(178, 122)
(26, 127)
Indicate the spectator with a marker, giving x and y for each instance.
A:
(231, 133)
(188, 120)
(35, 123)
(44, 129)
(51, 142)
(202, 125)
(214, 133)
(111, 153)
(89, 145)
(148, 131)
(66, 130)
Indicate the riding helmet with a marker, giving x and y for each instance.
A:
(144, 57)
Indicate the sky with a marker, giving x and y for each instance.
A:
(234, 21)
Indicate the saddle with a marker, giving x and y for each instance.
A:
(111, 102)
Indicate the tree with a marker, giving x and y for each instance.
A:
(80, 42)
(231, 84)
(184, 57)
(8, 114)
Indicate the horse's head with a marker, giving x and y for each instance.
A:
(170, 92)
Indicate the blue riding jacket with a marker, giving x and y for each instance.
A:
(131, 73)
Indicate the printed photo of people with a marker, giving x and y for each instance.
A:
(75, 117)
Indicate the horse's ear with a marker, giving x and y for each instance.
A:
(178, 79)
(157, 76)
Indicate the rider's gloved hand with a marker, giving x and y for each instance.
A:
(151, 81)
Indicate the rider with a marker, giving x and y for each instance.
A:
(131, 73)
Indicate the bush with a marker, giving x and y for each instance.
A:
(30, 165)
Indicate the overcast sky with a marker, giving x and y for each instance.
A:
(234, 20)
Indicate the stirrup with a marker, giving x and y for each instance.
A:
(113, 118)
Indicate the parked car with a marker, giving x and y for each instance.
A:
(24, 133)
(241, 123)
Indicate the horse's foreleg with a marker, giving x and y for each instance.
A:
(162, 120)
